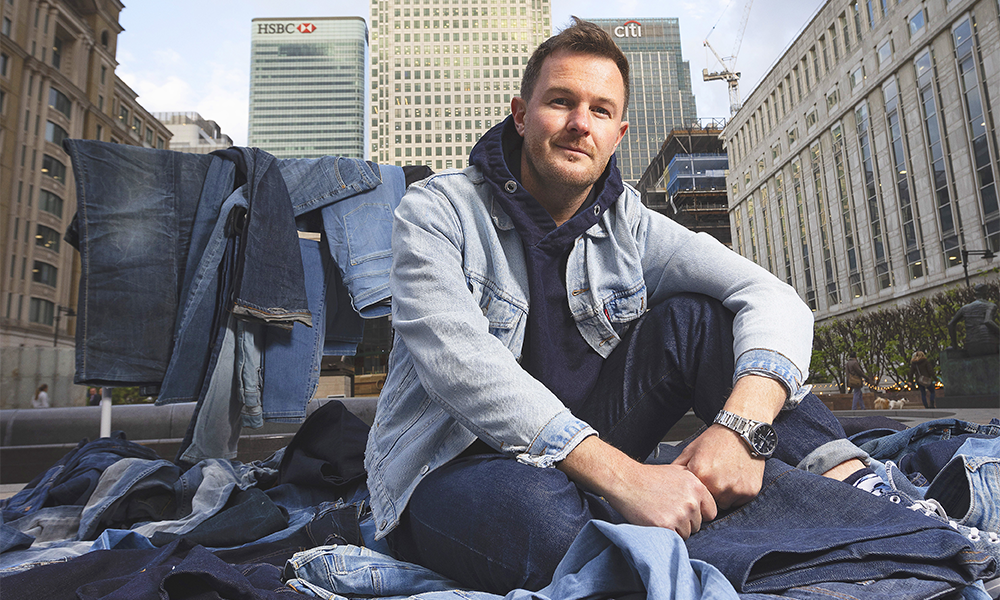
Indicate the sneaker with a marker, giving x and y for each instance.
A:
(983, 541)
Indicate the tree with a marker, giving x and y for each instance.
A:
(885, 339)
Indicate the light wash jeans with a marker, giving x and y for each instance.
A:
(605, 560)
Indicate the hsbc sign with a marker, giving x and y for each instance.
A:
(629, 29)
(273, 28)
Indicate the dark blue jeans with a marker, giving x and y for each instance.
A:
(494, 524)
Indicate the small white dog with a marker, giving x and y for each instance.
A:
(897, 404)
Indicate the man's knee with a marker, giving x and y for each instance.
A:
(492, 523)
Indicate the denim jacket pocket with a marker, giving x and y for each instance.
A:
(625, 306)
(506, 318)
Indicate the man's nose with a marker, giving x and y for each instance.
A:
(579, 120)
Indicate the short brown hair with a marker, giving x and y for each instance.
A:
(581, 36)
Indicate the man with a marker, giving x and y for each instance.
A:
(856, 379)
(550, 330)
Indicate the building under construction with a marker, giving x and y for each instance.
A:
(686, 180)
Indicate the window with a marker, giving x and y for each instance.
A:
(857, 77)
(53, 168)
(884, 53)
(47, 238)
(832, 98)
(55, 133)
(917, 23)
(123, 114)
(793, 134)
(57, 46)
(136, 125)
(60, 102)
(7, 26)
(50, 203)
(4, 59)
(811, 118)
(149, 135)
(44, 273)
(41, 311)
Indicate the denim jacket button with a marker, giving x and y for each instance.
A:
(510, 186)
(424, 469)
(382, 525)
(597, 210)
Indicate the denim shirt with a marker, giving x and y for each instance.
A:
(460, 304)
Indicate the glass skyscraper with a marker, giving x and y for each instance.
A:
(444, 72)
(661, 97)
(308, 87)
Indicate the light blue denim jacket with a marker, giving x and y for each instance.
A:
(460, 305)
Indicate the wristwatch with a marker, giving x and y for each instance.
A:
(760, 437)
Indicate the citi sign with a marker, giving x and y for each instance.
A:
(629, 29)
(268, 28)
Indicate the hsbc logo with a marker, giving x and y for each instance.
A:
(629, 29)
(272, 28)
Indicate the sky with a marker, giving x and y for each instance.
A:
(194, 55)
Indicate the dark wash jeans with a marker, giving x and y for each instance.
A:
(494, 524)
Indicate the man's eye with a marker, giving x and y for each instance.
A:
(603, 112)
(560, 101)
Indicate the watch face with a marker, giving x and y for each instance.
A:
(763, 439)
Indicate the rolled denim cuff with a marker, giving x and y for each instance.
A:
(831, 454)
(556, 440)
(774, 365)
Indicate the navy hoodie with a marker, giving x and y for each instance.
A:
(554, 352)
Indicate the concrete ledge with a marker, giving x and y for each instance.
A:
(32, 440)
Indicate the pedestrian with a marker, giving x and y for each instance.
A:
(856, 378)
(922, 375)
(41, 399)
(95, 397)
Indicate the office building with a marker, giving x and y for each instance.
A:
(686, 179)
(661, 98)
(444, 72)
(308, 87)
(57, 80)
(192, 133)
(863, 166)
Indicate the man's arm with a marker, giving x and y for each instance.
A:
(463, 367)
(719, 456)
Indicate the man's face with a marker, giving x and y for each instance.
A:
(572, 124)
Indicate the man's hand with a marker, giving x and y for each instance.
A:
(720, 458)
(666, 496)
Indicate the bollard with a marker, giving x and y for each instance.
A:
(105, 412)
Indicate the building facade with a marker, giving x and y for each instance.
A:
(57, 80)
(864, 163)
(686, 179)
(660, 88)
(192, 133)
(444, 72)
(308, 87)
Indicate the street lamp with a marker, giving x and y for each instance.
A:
(987, 254)
(60, 311)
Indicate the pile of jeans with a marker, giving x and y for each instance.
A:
(113, 520)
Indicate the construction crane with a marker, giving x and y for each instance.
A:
(729, 74)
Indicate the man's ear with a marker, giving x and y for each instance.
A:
(621, 132)
(518, 107)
